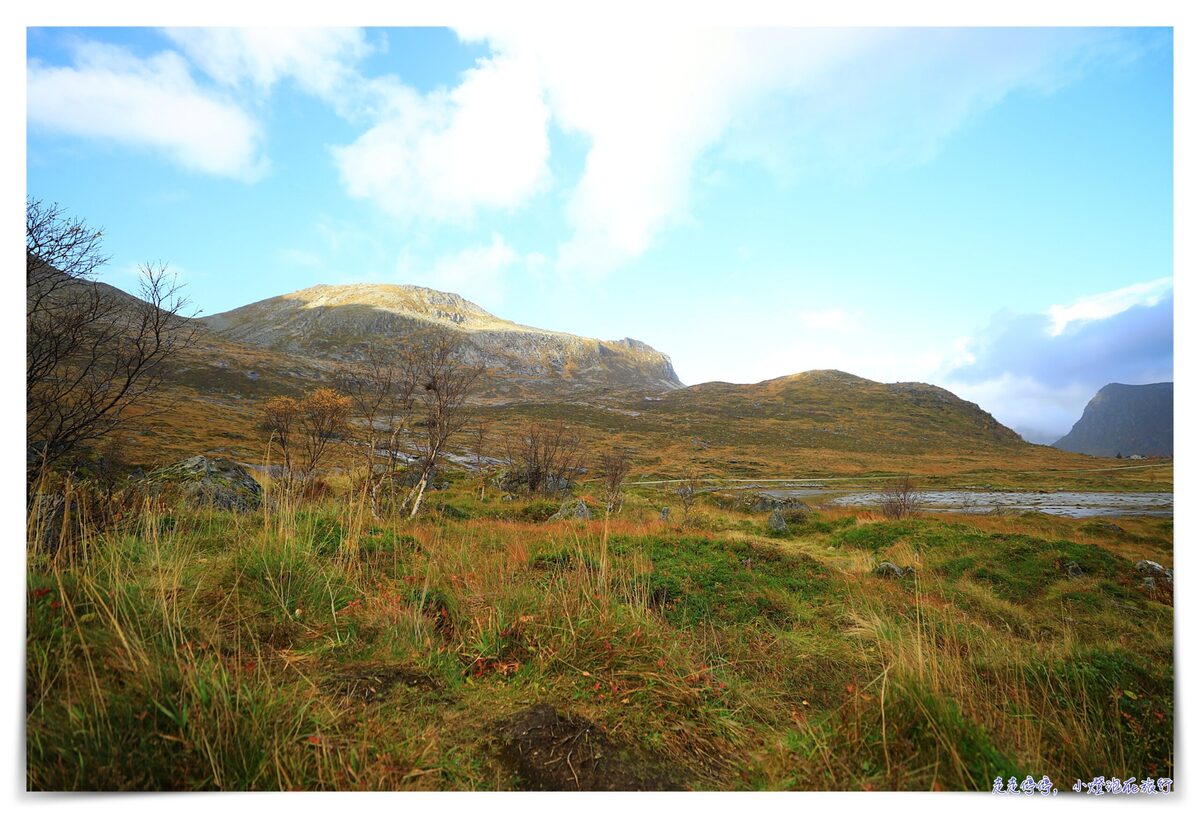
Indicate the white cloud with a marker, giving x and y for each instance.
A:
(1106, 305)
(1035, 372)
(1041, 413)
(445, 155)
(653, 103)
(153, 103)
(320, 61)
(476, 273)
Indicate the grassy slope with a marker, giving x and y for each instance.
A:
(310, 648)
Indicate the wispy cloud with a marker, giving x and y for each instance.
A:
(856, 99)
(322, 62)
(1106, 305)
(110, 94)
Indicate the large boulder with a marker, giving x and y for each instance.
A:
(209, 482)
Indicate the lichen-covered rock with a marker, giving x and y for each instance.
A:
(776, 524)
(1074, 571)
(891, 569)
(209, 482)
(665, 514)
(573, 510)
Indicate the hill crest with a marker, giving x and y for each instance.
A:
(332, 322)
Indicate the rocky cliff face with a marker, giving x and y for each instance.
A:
(1125, 419)
(335, 322)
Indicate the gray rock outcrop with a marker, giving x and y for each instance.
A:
(209, 482)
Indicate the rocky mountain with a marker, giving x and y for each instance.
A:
(334, 322)
(1125, 419)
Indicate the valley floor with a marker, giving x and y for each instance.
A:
(485, 647)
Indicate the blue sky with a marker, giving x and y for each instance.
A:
(986, 209)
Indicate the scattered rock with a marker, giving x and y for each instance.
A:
(573, 510)
(1074, 571)
(769, 502)
(1154, 576)
(776, 524)
(552, 751)
(891, 569)
(665, 514)
(556, 484)
(210, 482)
(1152, 568)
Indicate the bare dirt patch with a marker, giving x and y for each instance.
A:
(374, 683)
(549, 750)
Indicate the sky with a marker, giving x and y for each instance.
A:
(989, 210)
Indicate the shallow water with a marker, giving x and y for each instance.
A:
(1064, 503)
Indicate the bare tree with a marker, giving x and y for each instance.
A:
(380, 388)
(544, 457)
(687, 492)
(899, 498)
(443, 383)
(613, 467)
(93, 353)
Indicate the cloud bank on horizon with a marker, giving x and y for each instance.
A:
(1039, 371)
(556, 160)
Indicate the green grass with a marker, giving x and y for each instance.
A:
(318, 649)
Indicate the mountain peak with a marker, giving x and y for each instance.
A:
(1125, 419)
(407, 300)
(333, 322)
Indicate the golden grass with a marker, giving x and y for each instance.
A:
(182, 649)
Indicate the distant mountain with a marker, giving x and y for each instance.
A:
(332, 323)
(829, 409)
(818, 421)
(1127, 420)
